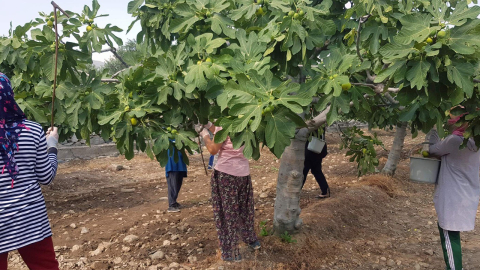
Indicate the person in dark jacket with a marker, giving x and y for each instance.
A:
(175, 172)
(313, 162)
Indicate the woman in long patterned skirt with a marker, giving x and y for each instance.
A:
(232, 196)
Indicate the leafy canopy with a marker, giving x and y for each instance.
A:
(255, 68)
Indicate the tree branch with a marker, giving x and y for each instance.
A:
(371, 85)
(360, 22)
(110, 81)
(118, 73)
(318, 120)
(359, 28)
(378, 88)
(318, 50)
(114, 51)
(393, 90)
(476, 81)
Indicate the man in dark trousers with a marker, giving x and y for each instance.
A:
(313, 162)
(175, 172)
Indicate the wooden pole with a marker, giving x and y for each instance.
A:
(55, 7)
(201, 153)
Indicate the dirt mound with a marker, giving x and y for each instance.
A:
(330, 226)
(386, 183)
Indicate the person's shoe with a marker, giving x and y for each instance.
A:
(323, 196)
(255, 245)
(173, 209)
(177, 205)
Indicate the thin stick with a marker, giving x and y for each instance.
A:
(201, 153)
(55, 7)
(59, 8)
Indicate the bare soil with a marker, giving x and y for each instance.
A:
(371, 222)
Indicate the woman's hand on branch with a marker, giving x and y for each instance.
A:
(199, 128)
(202, 130)
(52, 137)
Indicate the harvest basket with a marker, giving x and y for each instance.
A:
(316, 145)
(424, 170)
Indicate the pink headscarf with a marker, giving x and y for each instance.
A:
(458, 130)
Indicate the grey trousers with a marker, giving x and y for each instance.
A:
(174, 182)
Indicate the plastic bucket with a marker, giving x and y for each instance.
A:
(424, 170)
(316, 145)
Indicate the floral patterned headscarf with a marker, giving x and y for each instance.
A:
(458, 129)
(11, 125)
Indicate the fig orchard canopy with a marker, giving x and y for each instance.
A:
(398, 61)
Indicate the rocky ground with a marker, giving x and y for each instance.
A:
(109, 213)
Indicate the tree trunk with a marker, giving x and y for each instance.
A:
(290, 177)
(396, 150)
(289, 186)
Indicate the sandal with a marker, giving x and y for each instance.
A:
(255, 245)
(324, 196)
(237, 258)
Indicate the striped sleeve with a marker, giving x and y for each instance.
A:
(46, 162)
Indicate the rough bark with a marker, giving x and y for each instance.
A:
(289, 186)
(396, 150)
(290, 178)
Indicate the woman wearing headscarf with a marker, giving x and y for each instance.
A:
(457, 191)
(232, 195)
(28, 158)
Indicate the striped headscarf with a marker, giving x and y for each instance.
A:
(11, 126)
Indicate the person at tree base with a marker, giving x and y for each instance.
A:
(175, 172)
(212, 160)
(313, 162)
(457, 191)
(232, 195)
(28, 159)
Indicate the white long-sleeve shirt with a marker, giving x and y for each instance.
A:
(458, 188)
(23, 215)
